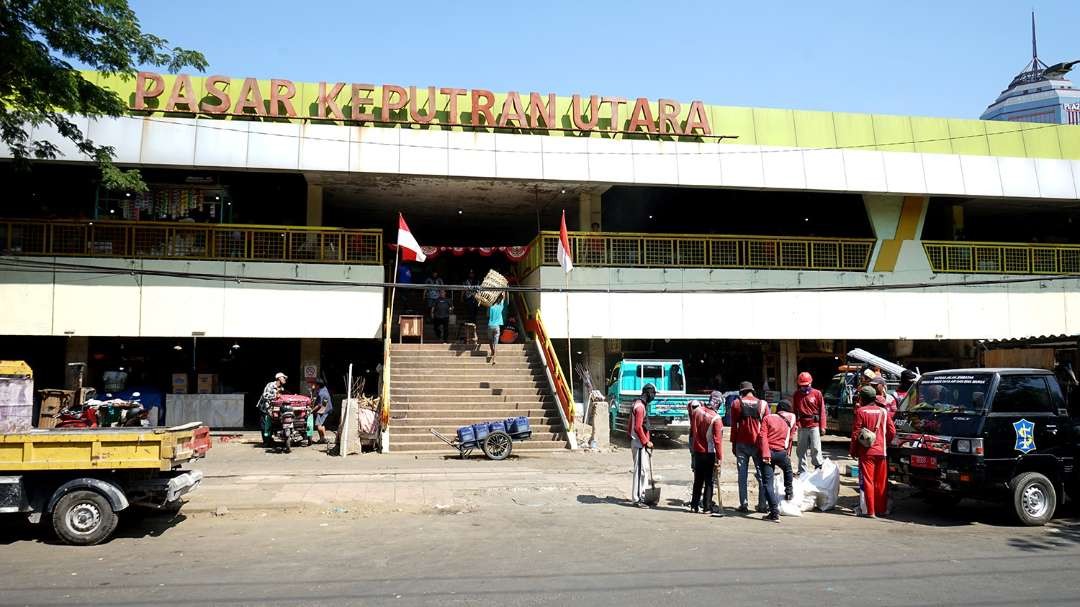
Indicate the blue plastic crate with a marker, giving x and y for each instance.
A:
(481, 431)
(466, 434)
(517, 425)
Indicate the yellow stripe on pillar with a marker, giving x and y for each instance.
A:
(906, 229)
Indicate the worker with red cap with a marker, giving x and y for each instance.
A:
(809, 405)
(871, 432)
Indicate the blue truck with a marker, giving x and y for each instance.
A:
(667, 414)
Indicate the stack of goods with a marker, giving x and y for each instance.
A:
(493, 285)
(516, 427)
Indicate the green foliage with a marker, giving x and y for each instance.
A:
(39, 87)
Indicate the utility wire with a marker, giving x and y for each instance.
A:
(34, 266)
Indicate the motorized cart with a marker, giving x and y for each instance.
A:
(495, 438)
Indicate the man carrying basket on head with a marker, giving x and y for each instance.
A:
(495, 322)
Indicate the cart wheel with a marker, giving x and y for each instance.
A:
(498, 445)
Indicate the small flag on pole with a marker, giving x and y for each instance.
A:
(566, 260)
(410, 249)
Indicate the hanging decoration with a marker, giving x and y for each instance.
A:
(513, 253)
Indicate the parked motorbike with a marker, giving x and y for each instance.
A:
(288, 422)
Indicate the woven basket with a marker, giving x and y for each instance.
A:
(486, 296)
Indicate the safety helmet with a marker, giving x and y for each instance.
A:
(804, 379)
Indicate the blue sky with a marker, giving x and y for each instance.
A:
(945, 58)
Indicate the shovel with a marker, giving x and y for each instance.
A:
(652, 494)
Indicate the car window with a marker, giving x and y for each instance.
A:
(832, 392)
(1022, 394)
(947, 394)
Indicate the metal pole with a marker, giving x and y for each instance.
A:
(569, 346)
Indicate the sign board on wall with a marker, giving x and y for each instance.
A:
(426, 106)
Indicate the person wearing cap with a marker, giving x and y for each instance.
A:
(707, 433)
(809, 408)
(746, 415)
(873, 467)
(324, 406)
(884, 398)
(640, 443)
(271, 391)
(774, 443)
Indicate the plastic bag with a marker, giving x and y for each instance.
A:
(824, 485)
(792, 507)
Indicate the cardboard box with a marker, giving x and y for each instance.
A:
(180, 383)
(52, 401)
(207, 383)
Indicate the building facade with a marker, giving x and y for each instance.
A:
(749, 242)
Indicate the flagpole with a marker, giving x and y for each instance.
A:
(569, 346)
(394, 280)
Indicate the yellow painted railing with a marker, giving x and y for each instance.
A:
(701, 251)
(563, 396)
(1002, 257)
(161, 240)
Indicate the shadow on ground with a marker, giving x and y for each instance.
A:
(135, 524)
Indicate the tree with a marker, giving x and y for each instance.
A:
(39, 86)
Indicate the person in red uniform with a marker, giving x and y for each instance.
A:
(773, 444)
(873, 467)
(809, 409)
(884, 398)
(707, 432)
(746, 414)
(640, 443)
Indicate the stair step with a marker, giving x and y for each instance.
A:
(484, 414)
(449, 422)
(438, 445)
(541, 432)
(440, 347)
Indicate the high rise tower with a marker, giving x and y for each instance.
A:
(1039, 93)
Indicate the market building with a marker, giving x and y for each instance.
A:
(749, 242)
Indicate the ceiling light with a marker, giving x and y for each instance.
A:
(806, 219)
(178, 347)
(236, 346)
(650, 216)
(562, 191)
(460, 212)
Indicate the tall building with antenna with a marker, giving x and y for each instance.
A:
(1039, 93)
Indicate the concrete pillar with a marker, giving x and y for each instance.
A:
(584, 211)
(589, 210)
(76, 350)
(314, 204)
(594, 361)
(310, 356)
(897, 222)
(789, 366)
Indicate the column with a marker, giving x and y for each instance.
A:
(76, 350)
(310, 360)
(314, 204)
(584, 211)
(789, 366)
(897, 222)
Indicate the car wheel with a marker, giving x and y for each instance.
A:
(1034, 498)
(83, 518)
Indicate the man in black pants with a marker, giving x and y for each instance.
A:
(704, 457)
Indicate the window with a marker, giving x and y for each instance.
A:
(1022, 394)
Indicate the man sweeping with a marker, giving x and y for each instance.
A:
(640, 442)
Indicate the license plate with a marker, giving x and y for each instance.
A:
(923, 461)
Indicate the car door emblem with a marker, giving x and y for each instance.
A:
(1025, 436)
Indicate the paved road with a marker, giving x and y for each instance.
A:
(588, 549)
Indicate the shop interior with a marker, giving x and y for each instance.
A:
(1034, 221)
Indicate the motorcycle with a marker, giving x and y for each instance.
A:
(288, 421)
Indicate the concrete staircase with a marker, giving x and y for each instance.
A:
(445, 386)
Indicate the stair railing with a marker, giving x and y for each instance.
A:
(556, 379)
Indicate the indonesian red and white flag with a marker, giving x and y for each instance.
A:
(566, 260)
(410, 249)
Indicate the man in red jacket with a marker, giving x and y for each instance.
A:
(809, 405)
(773, 444)
(707, 432)
(640, 442)
(746, 415)
(869, 449)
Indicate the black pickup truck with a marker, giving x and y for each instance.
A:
(998, 434)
